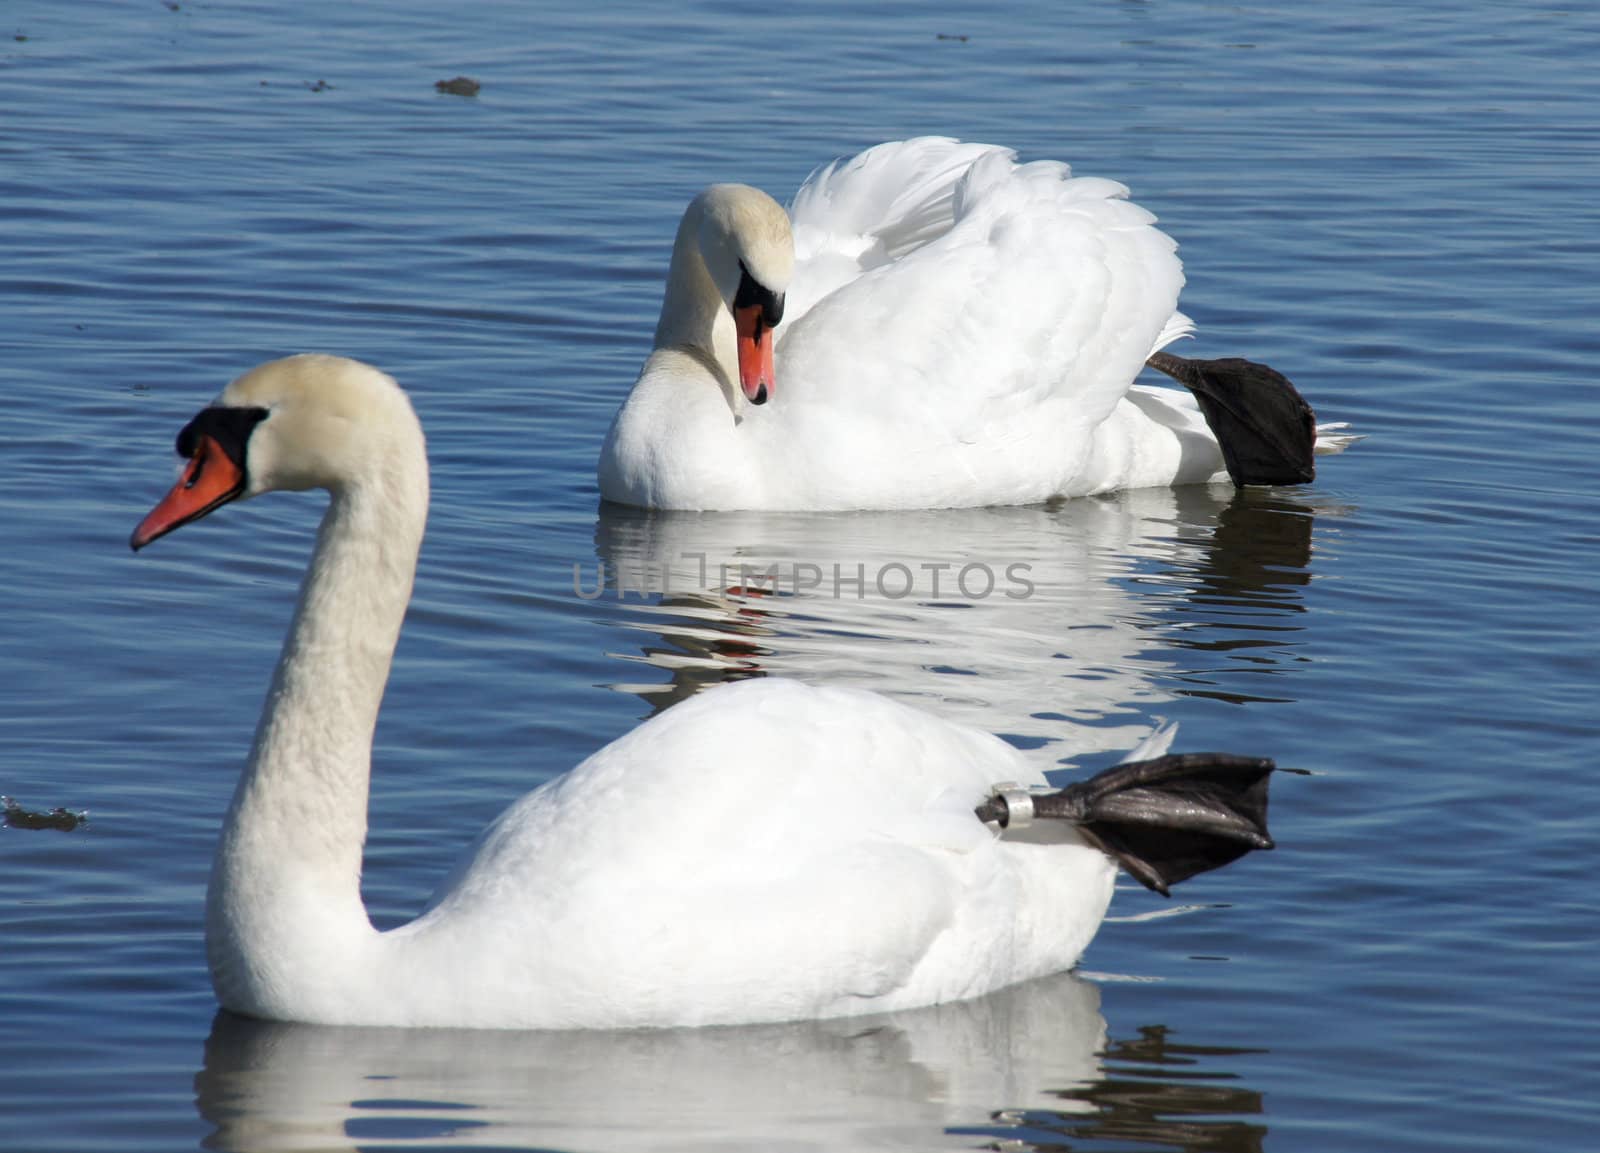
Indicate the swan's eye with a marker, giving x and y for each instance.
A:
(229, 427)
(753, 292)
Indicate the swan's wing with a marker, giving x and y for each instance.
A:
(737, 850)
(867, 210)
(1044, 289)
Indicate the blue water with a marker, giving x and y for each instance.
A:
(1394, 206)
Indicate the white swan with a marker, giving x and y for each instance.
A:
(957, 330)
(763, 851)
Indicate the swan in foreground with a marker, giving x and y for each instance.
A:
(957, 330)
(763, 851)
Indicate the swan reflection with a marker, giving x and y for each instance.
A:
(1156, 1092)
(892, 1082)
(1045, 624)
(1031, 1062)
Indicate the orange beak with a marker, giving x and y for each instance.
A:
(755, 353)
(209, 481)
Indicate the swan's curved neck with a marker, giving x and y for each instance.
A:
(284, 918)
(694, 316)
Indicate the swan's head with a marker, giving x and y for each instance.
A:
(748, 249)
(308, 421)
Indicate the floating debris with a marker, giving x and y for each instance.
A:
(17, 817)
(308, 85)
(457, 86)
(961, 36)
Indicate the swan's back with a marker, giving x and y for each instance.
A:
(872, 208)
(986, 282)
(790, 814)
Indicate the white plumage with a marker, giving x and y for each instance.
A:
(959, 329)
(763, 851)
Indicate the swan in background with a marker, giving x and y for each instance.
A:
(764, 851)
(958, 329)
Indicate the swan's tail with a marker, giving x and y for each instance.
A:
(1336, 437)
(1163, 820)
